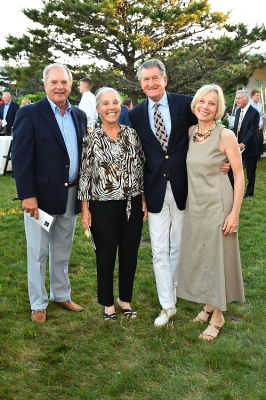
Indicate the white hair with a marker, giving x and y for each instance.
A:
(56, 65)
(104, 90)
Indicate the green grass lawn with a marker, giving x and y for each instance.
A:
(76, 356)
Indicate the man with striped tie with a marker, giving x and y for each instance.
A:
(162, 122)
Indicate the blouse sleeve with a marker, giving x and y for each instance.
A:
(141, 160)
(86, 168)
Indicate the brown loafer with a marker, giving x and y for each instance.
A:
(38, 315)
(70, 305)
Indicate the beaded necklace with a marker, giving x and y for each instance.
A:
(200, 137)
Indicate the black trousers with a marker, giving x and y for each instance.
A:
(112, 232)
(250, 163)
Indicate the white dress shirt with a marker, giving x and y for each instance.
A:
(88, 105)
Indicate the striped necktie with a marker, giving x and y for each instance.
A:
(160, 130)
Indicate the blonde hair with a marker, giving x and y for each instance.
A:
(206, 89)
(25, 102)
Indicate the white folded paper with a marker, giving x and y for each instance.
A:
(4, 123)
(45, 220)
(90, 237)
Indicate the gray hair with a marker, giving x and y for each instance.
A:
(104, 90)
(244, 93)
(152, 63)
(56, 65)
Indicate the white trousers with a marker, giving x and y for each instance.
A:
(58, 244)
(165, 231)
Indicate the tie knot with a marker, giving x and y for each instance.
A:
(156, 105)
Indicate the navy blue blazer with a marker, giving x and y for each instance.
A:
(248, 133)
(160, 166)
(10, 116)
(39, 156)
(123, 117)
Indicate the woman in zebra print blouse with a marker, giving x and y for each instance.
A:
(112, 201)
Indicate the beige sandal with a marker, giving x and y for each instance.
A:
(203, 316)
(212, 331)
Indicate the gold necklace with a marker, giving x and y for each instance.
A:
(200, 137)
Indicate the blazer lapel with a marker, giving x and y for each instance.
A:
(79, 133)
(173, 115)
(48, 116)
(236, 120)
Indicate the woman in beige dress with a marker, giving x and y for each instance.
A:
(209, 269)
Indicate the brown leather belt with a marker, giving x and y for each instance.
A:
(71, 184)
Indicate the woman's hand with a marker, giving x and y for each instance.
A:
(85, 215)
(230, 224)
(144, 208)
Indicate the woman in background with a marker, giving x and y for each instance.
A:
(209, 269)
(112, 201)
(25, 102)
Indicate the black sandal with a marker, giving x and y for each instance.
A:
(129, 313)
(110, 317)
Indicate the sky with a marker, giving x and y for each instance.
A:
(14, 22)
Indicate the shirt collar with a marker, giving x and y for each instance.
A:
(55, 107)
(163, 101)
(245, 108)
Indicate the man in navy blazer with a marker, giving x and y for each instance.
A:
(46, 155)
(246, 130)
(126, 106)
(8, 111)
(165, 176)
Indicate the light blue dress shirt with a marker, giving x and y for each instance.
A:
(259, 108)
(67, 128)
(6, 110)
(164, 110)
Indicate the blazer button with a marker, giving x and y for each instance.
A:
(167, 156)
(66, 184)
(67, 166)
(164, 175)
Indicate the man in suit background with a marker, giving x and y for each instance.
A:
(126, 106)
(255, 102)
(246, 130)
(45, 157)
(165, 175)
(8, 111)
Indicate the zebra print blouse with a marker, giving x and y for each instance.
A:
(111, 169)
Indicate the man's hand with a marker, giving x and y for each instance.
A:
(242, 146)
(225, 167)
(144, 208)
(30, 205)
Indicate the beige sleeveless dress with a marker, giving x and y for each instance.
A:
(209, 269)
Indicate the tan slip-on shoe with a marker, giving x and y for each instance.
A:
(38, 315)
(70, 305)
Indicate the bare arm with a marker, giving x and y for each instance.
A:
(230, 147)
